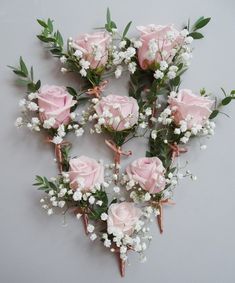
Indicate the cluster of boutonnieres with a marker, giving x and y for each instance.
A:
(117, 205)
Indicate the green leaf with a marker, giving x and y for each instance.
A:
(196, 35)
(20, 73)
(59, 38)
(31, 74)
(232, 92)
(108, 16)
(126, 29)
(200, 24)
(224, 92)
(214, 114)
(226, 100)
(71, 90)
(42, 23)
(23, 66)
(37, 85)
(50, 25)
(176, 81)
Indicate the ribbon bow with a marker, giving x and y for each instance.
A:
(96, 90)
(58, 153)
(159, 205)
(117, 151)
(176, 150)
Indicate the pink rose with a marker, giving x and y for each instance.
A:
(195, 109)
(149, 173)
(94, 48)
(158, 44)
(56, 103)
(85, 172)
(118, 112)
(123, 217)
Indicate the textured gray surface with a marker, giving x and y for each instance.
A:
(198, 242)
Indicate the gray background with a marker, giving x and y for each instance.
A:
(198, 242)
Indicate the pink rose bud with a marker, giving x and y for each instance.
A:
(122, 218)
(55, 101)
(118, 112)
(85, 173)
(149, 173)
(158, 44)
(94, 48)
(188, 106)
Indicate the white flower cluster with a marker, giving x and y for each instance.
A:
(78, 56)
(165, 117)
(28, 107)
(124, 56)
(196, 130)
(138, 241)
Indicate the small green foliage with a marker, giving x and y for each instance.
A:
(200, 23)
(26, 76)
(54, 38)
(110, 25)
(126, 30)
(44, 184)
(225, 101)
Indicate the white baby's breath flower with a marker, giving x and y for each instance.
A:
(50, 211)
(83, 72)
(90, 228)
(57, 140)
(118, 72)
(32, 106)
(107, 243)
(148, 111)
(147, 196)
(32, 96)
(104, 216)
(171, 75)
(116, 189)
(77, 195)
(63, 59)
(93, 237)
(91, 200)
(78, 53)
(132, 67)
(47, 124)
(184, 32)
(84, 64)
(122, 44)
(163, 65)
(79, 132)
(19, 122)
(22, 102)
(154, 134)
(63, 70)
(158, 74)
(61, 203)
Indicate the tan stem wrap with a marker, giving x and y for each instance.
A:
(159, 206)
(58, 153)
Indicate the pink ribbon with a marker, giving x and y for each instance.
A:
(176, 150)
(159, 205)
(117, 151)
(97, 90)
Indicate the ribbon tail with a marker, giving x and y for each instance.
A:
(58, 155)
(160, 219)
(122, 265)
(85, 222)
